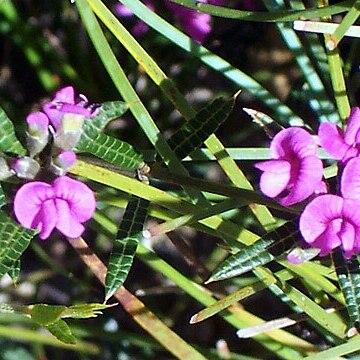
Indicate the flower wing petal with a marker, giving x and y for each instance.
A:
(352, 132)
(307, 181)
(275, 177)
(67, 223)
(350, 180)
(318, 215)
(46, 219)
(79, 196)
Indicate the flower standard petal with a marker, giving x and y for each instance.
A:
(275, 177)
(332, 140)
(28, 201)
(67, 223)
(306, 181)
(79, 196)
(292, 141)
(350, 180)
(318, 217)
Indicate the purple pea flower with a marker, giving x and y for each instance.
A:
(342, 145)
(330, 221)
(296, 171)
(63, 205)
(67, 102)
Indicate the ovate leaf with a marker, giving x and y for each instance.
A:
(348, 272)
(14, 239)
(8, 140)
(108, 111)
(105, 147)
(125, 244)
(263, 251)
(61, 330)
(193, 133)
(44, 314)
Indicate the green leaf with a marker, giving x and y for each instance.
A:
(45, 314)
(193, 133)
(8, 140)
(112, 150)
(108, 111)
(15, 271)
(61, 330)
(125, 244)
(2, 197)
(263, 251)
(14, 239)
(84, 311)
(348, 272)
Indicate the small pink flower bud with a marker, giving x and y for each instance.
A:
(37, 134)
(25, 167)
(62, 163)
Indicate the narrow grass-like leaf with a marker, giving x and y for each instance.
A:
(106, 147)
(193, 133)
(108, 111)
(125, 244)
(278, 16)
(348, 272)
(8, 140)
(261, 252)
(61, 330)
(14, 239)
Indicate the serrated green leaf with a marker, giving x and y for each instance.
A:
(44, 314)
(193, 133)
(61, 330)
(348, 272)
(84, 311)
(108, 111)
(8, 140)
(125, 244)
(263, 251)
(112, 150)
(14, 239)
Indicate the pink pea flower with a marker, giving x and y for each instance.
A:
(330, 221)
(63, 205)
(67, 102)
(296, 171)
(342, 145)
